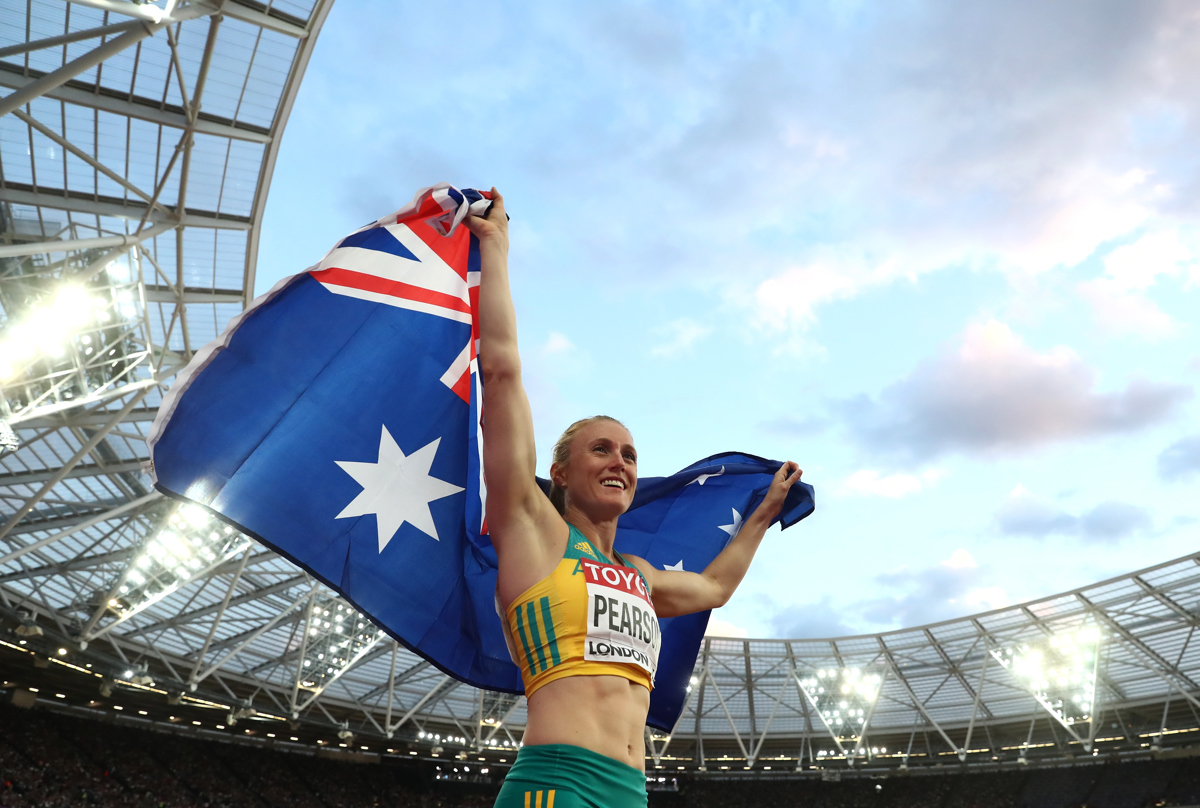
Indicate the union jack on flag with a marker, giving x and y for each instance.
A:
(336, 420)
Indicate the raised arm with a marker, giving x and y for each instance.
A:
(517, 510)
(677, 593)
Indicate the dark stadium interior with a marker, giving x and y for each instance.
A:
(51, 760)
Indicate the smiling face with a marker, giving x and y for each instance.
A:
(601, 475)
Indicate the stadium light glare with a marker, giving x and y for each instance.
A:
(844, 700)
(186, 547)
(333, 646)
(1059, 671)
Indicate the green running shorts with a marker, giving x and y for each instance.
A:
(564, 776)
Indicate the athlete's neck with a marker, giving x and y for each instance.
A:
(602, 534)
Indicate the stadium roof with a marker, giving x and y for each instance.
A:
(136, 149)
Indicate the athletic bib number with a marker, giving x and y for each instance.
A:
(622, 625)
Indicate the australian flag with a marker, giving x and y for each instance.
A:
(336, 420)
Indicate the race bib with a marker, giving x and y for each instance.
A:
(622, 625)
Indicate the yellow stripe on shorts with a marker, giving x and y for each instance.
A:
(537, 799)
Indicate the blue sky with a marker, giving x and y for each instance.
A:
(945, 255)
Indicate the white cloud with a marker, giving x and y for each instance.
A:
(869, 482)
(790, 298)
(1085, 210)
(960, 559)
(1119, 298)
(723, 628)
(995, 393)
(681, 334)
(557, 344)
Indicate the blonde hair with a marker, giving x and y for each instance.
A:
(562, 455)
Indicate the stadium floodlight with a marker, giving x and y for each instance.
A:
(844, 700)
(73, 332)
(189, 545)
(336, 638)
(9, 442)
(1060, 672)
(27, 626)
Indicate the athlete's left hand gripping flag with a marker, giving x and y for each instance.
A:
(349, 391)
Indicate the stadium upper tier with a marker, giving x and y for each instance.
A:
(137, 143)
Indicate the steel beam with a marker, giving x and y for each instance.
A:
(74, 420)
(78, 563)
(68, 146)
(189, 295)
(188, 617)
(57, 523)
(93, 205)
(339, 672)
(32, 477)
(91, 632)
(85, 522)
(395, 679)
(308, 616)
(64, 39)
(83, 452)
(270, 624)
(962, 753)
(237, 576)
(80, 244)
(271, 22)
(756, 748)
(144, 109)
(887, 652)
(234, 639)
(292, 87)
(434, 691)
(703, 680)
(811, 701)
(146, 13)
(73, 68)
(737, 736)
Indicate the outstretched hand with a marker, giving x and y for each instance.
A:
(492, 229)
(787, 476)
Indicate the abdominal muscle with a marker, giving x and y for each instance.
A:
(606, 714)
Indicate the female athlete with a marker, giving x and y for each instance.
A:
(580, 617)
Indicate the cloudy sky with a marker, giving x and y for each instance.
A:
(946, 255)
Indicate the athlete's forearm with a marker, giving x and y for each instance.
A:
(498, 353)
(729, 567)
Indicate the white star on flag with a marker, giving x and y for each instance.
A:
(703, 478)
(733, 529)
(677, 566)
(397, 489)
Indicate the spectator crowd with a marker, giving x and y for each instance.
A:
(52, 760)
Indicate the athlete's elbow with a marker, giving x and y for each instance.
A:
(499, 366)
(718, 593)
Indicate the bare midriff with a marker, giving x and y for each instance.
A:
(606, 714)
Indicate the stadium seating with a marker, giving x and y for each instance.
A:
(52, 760)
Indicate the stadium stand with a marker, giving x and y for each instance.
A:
(53, 760)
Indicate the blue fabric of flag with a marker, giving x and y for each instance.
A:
(343, 405)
